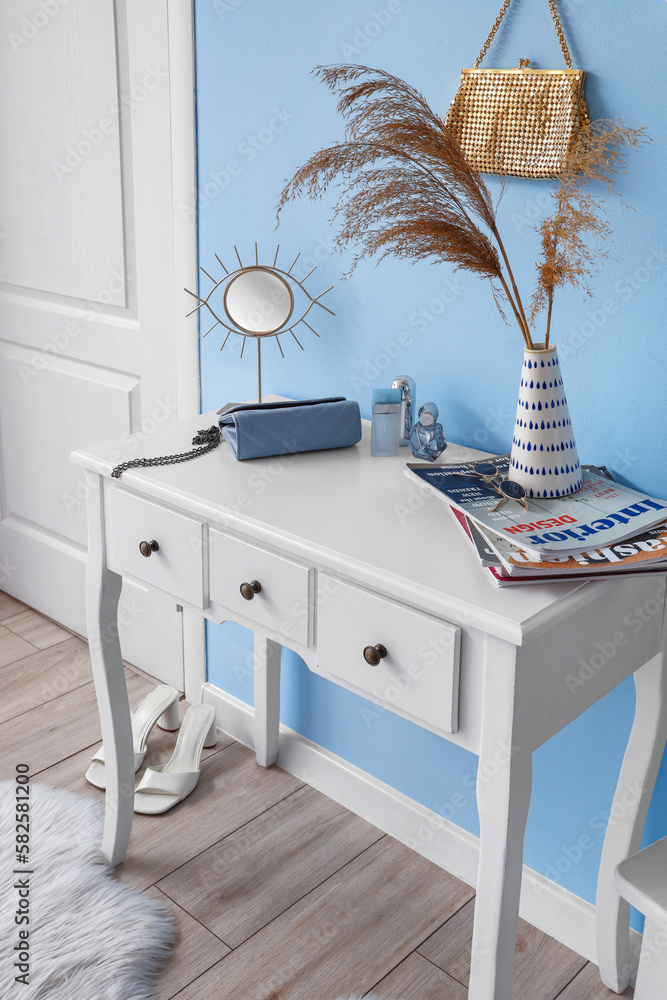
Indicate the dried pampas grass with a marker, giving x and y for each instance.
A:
(573, 237)
(407, 191)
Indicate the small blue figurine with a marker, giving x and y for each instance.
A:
(427, 438)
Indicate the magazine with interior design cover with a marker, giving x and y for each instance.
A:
(648, 550)
(493, 567)
(602, 513)
(500, 577)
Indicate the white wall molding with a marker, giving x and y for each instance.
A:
(180, 17)
(545, 904)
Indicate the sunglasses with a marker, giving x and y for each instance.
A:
(492, 476)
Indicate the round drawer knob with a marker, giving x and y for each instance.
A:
(373, 654)
(248, 590)
(147, 547)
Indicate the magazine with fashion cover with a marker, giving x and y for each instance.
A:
(647, 550)
(501, 576)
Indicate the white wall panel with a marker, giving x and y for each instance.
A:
(60, 189)
(44, 415)
(92, 337)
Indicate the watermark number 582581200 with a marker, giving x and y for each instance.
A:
(23, 870)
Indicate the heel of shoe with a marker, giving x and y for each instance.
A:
(170, 721)
(212, 735)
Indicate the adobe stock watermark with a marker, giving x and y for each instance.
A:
(622, 461)
(426, 315)
(223, 8)
(429, 654)
(653, 945)
(370, 29)
(605, 651)
(571, 854)
(262, 477)
(127, 614)
(624, 290)
(217, 181)
(57, 343)
(71, 673)
(298, 613)
(6, 570)
(494, 421)
(90, 308)
(93, 137)
(445, 812)
(31, 26)
(311, 937)
(391, 350)
(417, 496)
(534, 210)
(131, 442)
(321, 251)
(230, 850)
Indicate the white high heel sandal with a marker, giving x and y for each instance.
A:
(165, 785)
(161, 707)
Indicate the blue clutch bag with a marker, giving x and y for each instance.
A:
(258, 430)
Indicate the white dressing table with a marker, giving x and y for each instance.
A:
(351, 557)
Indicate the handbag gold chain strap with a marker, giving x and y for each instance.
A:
(559, 32)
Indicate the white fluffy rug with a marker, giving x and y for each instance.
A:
(90, 936)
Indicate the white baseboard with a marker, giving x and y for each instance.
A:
(548, 906)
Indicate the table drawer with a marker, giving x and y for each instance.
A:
(283, 604)
(176, 566)
(418, 677)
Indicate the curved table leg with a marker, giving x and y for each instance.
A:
(504, 784)
(102, 594)
(631, 801)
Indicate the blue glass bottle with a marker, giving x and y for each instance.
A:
(386, 422)
(427, 439)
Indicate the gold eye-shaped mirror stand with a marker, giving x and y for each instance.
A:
(257, 302)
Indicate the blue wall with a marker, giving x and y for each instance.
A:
(260, 115)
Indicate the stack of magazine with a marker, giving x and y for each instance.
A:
(603, 530)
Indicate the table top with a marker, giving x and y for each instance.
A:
(356, 516)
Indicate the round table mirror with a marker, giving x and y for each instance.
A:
(258, 301)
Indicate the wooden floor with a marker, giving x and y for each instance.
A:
(277, 891)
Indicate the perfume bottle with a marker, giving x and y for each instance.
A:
(408, 408)
(386, 419)
(427, 439)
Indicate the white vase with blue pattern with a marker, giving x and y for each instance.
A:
(544, 455)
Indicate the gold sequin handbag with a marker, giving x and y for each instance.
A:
(519, 122)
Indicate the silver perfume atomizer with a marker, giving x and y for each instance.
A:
(408, 408)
